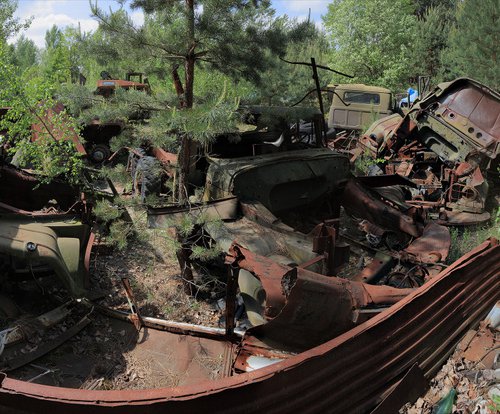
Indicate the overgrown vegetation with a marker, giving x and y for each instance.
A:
(30, 102)
(464, 239)
(387, 43)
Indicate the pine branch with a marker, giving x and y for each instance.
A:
(139, 39)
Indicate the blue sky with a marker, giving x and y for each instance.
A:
(71, 12)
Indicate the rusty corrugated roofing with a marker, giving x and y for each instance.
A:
(348, 374)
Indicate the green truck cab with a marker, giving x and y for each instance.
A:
(356, 106)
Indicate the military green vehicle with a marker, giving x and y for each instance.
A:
(44, 231)
(356, 106)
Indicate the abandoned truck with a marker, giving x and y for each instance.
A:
(325, 336)
(355, 106)
(448, 145)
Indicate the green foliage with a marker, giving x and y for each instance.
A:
(284, 83)
(106, 211)
(118, 175)
(77, 99)
(433, 30)
(24, 54)
(205, 255)
(30, 102)
(107, 50)
(209, 80)
(55, 60)
(372, 40)
(474, 42)
(494, 406)
(213, 116)
(10, 25)
(363, 163)
(232, 36)
(119, 233)
(422, 7)
(190, 230)
(123, 105)
(236, 38)
(51, 158)
(464, 239)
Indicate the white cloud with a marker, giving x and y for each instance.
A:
(304, 5)
(35, 8)
(41, 24)
(137, 17)
(47, 13)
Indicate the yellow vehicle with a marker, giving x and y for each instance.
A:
(356, 106)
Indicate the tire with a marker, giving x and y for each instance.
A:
(100, 153)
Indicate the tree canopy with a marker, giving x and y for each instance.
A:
(234, 37)
(474, 42)
(372, 39)
(10, 25)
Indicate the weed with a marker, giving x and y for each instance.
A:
(195, 306)
(464, 239)
(364, 162)
(167, 310)
(104, 210)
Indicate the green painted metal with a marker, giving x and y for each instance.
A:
(58, 244)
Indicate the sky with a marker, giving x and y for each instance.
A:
(71, 12)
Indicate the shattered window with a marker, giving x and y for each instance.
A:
(362, 97)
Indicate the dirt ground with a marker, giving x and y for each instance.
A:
(153, 272)
(111, 354)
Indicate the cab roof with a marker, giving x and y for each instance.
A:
(358, 87)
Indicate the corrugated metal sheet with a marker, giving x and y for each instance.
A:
(348, 374)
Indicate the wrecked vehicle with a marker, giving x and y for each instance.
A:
(354, 106)
(45, 244)
(133, 80)
(447, 145)
(324, 335)
(409, 340)
(44, 226)
(97, 134)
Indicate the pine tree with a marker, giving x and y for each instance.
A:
(474, 44)
(433, 30)
(233, 36)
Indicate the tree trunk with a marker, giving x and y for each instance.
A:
(190, 55)
(186, 152)
(179, 89)
(184, 161)
(189, 79)
(183, 257)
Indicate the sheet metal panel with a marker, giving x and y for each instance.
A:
(348, 374)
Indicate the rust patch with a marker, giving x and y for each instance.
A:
(349, 373)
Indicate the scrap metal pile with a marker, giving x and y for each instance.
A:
(348, 301)
(447, 144)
